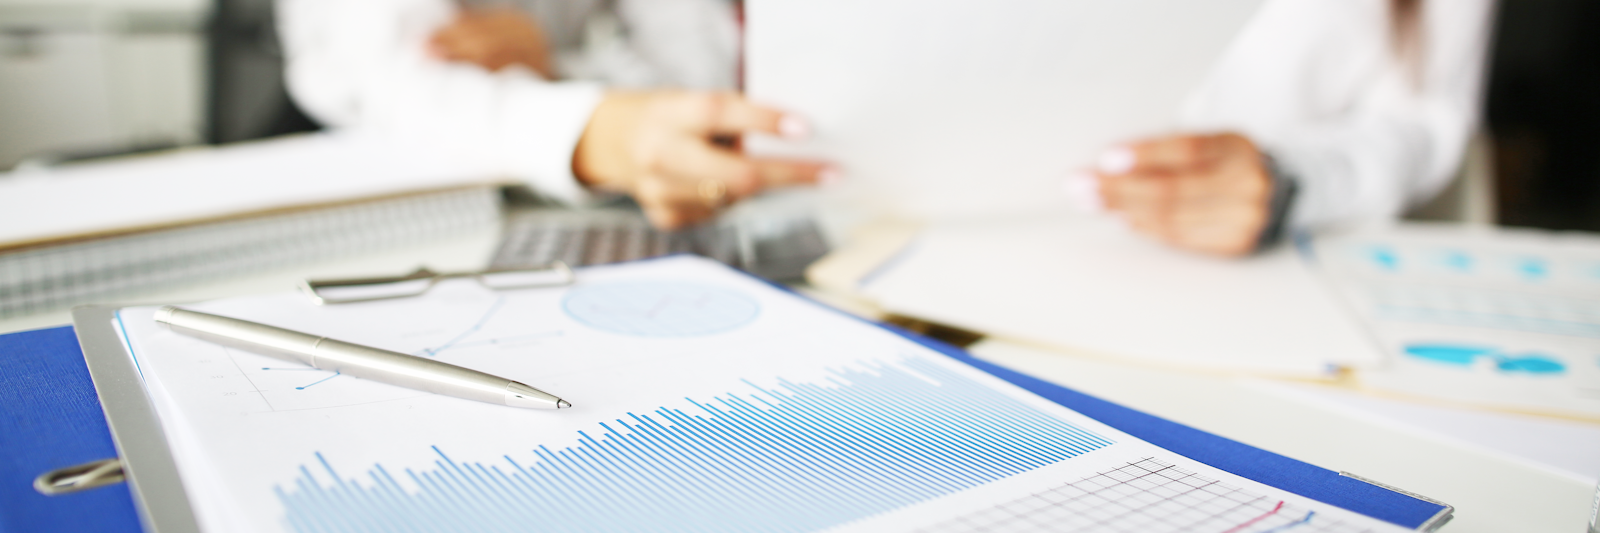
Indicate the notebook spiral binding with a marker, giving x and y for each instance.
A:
(53, 277)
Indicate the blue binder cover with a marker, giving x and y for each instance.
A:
(51, 418)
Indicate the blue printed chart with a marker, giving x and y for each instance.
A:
(1503, 320)
(800, 457)
(660, 308)
(678, 423)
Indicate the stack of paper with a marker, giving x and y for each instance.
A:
(1092, 286)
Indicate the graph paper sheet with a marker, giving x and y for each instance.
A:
(704, 400)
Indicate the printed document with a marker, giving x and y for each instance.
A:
(703, 400)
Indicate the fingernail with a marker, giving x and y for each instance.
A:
(829, 176)
(1083, 191)
(1117, 160)
(793, 127)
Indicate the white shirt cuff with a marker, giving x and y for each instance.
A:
(540, 131)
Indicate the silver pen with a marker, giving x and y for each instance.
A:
(359, 361)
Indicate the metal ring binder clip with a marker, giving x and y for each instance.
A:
(339, 291)
(79, 477)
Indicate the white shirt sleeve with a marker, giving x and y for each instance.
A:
(1318, 85)
(684, 44)
(362, 64)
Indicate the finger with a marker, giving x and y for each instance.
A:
(668, 217)
(443, 43)
(1179, 152)
(1221, 239)
(1124, 192)
(724, 113)
(1246, 217)
(1228, 229)
(1149, 222)
(786, 172)
(690, 162)
(666, 207)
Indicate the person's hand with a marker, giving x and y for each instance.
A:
(671, 151)
(494, 38)
(1209, 193)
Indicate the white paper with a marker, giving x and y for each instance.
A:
(859, 430)
(192, 185)
(1566, 448)
(1094, 286)
(1502, 319)
(941, 108)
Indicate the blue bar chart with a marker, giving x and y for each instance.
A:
(794, 457)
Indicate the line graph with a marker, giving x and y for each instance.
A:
(493, 308)
(797, 457)
(1149, 495)
(660, 308)
(302, 387)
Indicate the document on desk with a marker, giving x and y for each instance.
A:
(1092, 286)
(703, 400)
(1492, 318)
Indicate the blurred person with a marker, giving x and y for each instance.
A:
(571, 96)
(1322, 112)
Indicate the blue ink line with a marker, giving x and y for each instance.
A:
(474, 329)
(135, 356)
(335, 374)
(499, 340)
(1301, 522)
(1496, 320)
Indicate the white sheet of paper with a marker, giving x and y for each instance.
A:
(1091, 285)
(702, 398)
(1565, 447)
(1500, 319)
(191, 185)
(941, 108)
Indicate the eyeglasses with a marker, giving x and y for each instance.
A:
(340, 291)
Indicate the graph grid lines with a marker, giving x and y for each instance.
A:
(1146, 496)
(798, 457)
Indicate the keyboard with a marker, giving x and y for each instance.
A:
(778, 248)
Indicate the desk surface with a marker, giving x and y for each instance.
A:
(1492, 493)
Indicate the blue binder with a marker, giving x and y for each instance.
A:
(50, 418)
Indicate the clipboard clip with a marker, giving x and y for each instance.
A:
(350, 290)
(79, 477)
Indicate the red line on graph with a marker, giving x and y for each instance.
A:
(1256, 519)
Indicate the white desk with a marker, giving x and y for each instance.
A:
(1491, 493)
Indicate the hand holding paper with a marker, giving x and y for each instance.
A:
(1207, 193)
(660, 147)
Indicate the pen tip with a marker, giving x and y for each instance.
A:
(562, 404)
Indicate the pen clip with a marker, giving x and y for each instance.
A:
(351, 290)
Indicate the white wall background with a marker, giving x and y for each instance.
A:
(99, 75)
